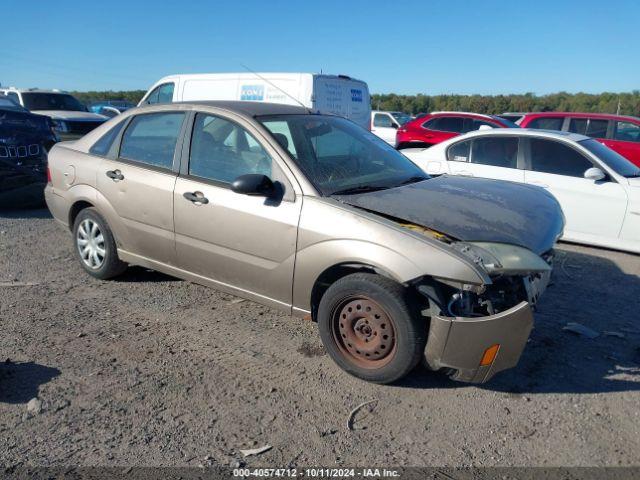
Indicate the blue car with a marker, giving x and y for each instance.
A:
(110, 108)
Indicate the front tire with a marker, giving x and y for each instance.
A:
(95, 246)
(372, 327)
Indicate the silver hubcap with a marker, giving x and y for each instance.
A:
(90, 243)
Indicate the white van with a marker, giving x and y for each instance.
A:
(337, 94)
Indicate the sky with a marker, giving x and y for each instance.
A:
(405, 47)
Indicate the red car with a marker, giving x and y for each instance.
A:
(618, 132)
(437, 127)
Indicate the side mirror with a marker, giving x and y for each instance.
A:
(485, 127)
(253, 184)
(594, 174)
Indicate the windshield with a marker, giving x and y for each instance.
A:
(8, 104)
(338, 156)
(401, 118)
(614, 160)
(51, 101)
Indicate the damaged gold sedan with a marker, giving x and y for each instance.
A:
(311, 214)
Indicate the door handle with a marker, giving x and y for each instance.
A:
(115, 175)
(196, 197)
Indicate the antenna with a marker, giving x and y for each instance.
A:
(276, 87)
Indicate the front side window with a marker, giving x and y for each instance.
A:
(612, 159)
(338, 157)
(382, 120)
(459, 152)
(161, 94)
(103, 145)
(627, 132)
(472, 124)
(151, 138)
(222, 150)
(547, 123)
(495, 151)
(597, 128)
(548, 156)
(445, 124)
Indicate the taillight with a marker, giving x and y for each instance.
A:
(48, 175)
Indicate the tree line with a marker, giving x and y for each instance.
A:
(607, 102)
(624, 103)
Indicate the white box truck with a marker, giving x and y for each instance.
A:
(337, 94)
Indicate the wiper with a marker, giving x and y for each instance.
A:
(414, 179)
(359, 189)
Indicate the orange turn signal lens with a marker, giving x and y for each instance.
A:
(489, 355)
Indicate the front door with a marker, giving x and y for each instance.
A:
(241, 242)
(592, 209)
(139, 184)
(384, 127)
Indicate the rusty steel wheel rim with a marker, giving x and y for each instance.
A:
(364, 332)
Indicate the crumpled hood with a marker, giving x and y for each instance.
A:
(72, 115)
(472, 209)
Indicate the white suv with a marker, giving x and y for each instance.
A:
(71, 119)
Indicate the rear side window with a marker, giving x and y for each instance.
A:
(597, 128)
(151, 138)
(103, 145)
(382, 120)
(578, 125)
(459, 152)
(548, 156)
(547, 123)
(496, 151)
(445, 124)
(627, 132)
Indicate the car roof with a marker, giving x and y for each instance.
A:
(253, 109)
(607, 116)
(524, 132)
(35, 90)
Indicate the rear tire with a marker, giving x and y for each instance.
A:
(372, 327)
(95, 246)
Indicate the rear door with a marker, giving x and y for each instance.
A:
(487, 157)
(595, 209)
(441, 128)
(139, 183)
(240, 242)
(626, 140)
(343, 96)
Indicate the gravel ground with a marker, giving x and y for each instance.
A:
(150, 370)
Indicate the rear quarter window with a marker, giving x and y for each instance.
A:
(103, 145)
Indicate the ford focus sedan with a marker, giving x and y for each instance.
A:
(314, 215)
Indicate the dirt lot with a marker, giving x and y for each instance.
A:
(150, 370)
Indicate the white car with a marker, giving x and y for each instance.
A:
(385, 124)
(598, 189)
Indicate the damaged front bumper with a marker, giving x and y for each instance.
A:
(479, 347)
